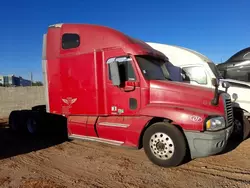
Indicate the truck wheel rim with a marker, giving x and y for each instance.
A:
(162, 146)
(31, 126)
(238, 126)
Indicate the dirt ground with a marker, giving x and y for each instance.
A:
(53, 162)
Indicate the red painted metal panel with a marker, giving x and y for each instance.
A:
(78, 84)
(109, 128)
(77, 125)
(53, 69)
(100, 37)
(181, 116)
(122, 128)
(134, 131)
(117, 98)
(180, 99)
(91, 121)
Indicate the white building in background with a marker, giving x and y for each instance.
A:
(1, 80)
(12, 80)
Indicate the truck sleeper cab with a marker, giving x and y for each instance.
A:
(190, 66)
(115, 89)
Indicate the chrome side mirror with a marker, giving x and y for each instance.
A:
(225, 85)
(115, 75)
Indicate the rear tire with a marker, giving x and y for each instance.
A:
(18, 119)
(32, 126)
(164, 145)
(14, 121)
(33, 123)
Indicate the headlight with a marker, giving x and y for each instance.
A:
(215, 123)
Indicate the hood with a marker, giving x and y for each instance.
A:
(183, 94)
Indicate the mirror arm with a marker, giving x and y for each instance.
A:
(215, 100)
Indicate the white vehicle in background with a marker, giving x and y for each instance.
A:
(189, 66)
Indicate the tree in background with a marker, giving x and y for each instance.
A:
(38, 83)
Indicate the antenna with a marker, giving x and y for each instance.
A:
(31, 78)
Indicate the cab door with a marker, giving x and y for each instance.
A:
(122, 102)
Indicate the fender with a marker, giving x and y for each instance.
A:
(187, 117)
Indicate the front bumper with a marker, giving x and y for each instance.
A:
(203, 144)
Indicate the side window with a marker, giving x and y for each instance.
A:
(70, 40)
(196, 74)
(222, 73)
(247, 56)
(238, 74)
(125, 68)
(239, 85)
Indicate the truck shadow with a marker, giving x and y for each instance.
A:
(232, 145)
(13, 143)
(234, 142)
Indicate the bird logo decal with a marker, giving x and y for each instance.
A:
(69, 101)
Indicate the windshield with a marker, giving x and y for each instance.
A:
(215, 70)
(153, 68)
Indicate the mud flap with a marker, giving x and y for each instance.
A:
(246, 128)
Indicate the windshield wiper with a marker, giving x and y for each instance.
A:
(168, 79)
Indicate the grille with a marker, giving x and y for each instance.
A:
(229, 111)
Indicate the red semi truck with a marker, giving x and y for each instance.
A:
(115, 89)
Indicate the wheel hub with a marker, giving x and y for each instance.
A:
(162, 146)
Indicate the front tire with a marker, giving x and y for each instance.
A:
(34, 123)
(164, 145)
(238, 132)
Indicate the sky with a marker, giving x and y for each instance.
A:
(215, 28)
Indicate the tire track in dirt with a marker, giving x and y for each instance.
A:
(232, 174)
(62, 171)
(38, 183)
(89, 164)
(222, 167)
(40, 163)
(210, 171)
(116, 172)
(213, 171)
